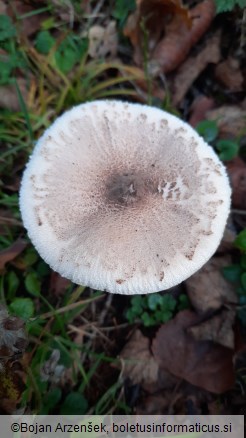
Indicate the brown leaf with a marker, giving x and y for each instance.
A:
(217, 329)
(194, 66)
(230, 120)
(9, 254)
(230, 234)
(9, 97)
(155, 404)
(138, 362)
(6, 218)
(154, 16)
(199, 108)
(237, 172)
(13, 339)
(58, 284)
(207, 289)
(3, 7)
(229, 74)
(184, 399)
(201, 363)
(27, 25)
(172, 50)
(140, 366)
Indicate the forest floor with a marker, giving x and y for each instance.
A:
(69, 349)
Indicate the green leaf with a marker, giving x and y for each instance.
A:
(243, 280)
(147, 320)
(240, 241)
(69, 52)
(7, 29)
(35, 327)
(232, 273)
(240, 290)
(30, 257)
(242, 300)
(137, 303)
(9, 62)
(74, 404)
(22, 307)
(242, 316)
(184, 302)
(6, 69)
(44, 42)
(12, 283)
(168, 302)
(33, 284)
(43, 269)
(243, 261)
(228, 5)
(65, 59)
(166, 316)
(208, 129)
(122, 9)
(228, 149)
(131, 315)
(154, 300)
(52, 398)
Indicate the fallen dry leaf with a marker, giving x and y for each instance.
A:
(172, 50)
(156, 404)
(202, 363)
(13, 338)
(217, 329)
(230, 119)
(207, 289)
(194, 66)
(10, 253)
(65, 11)
(199, 108)
(3, 7)
(58, 284)
(230, 234)
(6, 218)
(139, 364)
(9, 97)
(27, 25)
(229, 74)
(153, 15)
(237, 173)
(183, 399)
(103, 41)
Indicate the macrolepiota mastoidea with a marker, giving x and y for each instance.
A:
(124, 198)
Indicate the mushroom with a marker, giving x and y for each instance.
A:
(124, 197)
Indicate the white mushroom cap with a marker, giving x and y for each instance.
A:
(124, 198)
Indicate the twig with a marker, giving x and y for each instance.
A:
(67, 308)
(105, 309)
(116, 327)
(236, 211)
(74, 329)
(98, 330)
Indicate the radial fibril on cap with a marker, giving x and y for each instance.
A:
(124, 198)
